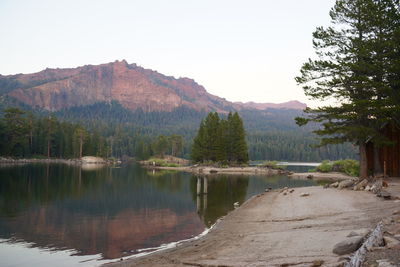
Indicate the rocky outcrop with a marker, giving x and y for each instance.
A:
(131, 85)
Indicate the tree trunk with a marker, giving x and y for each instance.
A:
(377, 163)
(80, 145)
(48, 146)
(363, 160)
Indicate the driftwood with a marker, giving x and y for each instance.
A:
(374, 239)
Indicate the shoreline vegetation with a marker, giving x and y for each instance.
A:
(171, 163)
(75, 161)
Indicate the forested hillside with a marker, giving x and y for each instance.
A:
(271, 134)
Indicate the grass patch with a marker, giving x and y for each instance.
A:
(273, 165)
(347, 166)
(163, 163)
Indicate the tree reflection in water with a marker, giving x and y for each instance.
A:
(113, 211)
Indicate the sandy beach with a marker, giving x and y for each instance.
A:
(276, 229)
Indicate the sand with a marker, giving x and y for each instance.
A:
(274, 229)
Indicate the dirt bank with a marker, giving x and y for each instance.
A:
(274, 229)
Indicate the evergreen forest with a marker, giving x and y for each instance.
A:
(110, 130)
(220, 140)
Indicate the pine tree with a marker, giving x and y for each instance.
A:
(16, 132)
(352, 67)
(239, 145)
(220, 140)
(199, 144)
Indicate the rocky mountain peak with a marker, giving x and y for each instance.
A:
(131, 85)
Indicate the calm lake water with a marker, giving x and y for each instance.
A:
(72, 216)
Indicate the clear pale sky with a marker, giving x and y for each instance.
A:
(240, 50)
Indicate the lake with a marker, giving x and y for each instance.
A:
(55, 214)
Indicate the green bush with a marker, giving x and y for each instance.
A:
(348, 166)
(162, 163)
(325, 166)
(273, 165)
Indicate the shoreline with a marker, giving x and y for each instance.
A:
(216, 170)
(277, 229)
(86, 160)
(209, 170)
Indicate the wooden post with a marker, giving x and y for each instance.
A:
(198, 185)
(384, 168)
(198, 203)
(204, 203)
(205, 185)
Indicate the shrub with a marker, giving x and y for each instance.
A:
(273, 165)
(163, 163)
(325, 166)
(348, 166)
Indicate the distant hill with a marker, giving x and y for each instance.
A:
(132, 86)
(294, 104)
(130, 106)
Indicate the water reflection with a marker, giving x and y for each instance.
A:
(115, 211)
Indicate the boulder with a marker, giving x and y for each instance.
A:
(391, 242)
(377, 186)
(384, 194)
(92, 160)
(361, 185)
(335, 184)
(345, 184)
(304, 194)
(352, 233)
(348, 246)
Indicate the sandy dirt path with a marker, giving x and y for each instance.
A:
(274, 229)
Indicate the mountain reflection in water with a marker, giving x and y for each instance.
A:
(115, 211)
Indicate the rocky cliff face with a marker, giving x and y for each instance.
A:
(133, 86)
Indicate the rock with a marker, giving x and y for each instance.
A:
(326, 186)
(267, 190)
(345, 184)
(310, 176)
(348, 246)
(291, 190)
(377, 187)
(362, 233)
(284, 189)
(317, 263)
(384, 195)
(304, 194)
(352, 233)
(213, 171)
(92, 160)
(396, 212)
(391, 242)
(236, 205)
(385, 263)
(335, 184)
(360, 185)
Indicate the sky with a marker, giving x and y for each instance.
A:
(239, 50)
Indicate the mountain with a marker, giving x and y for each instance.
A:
(294, 104)
(132, 86)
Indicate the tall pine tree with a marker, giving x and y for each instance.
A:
(220, 140)
(354, 67)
